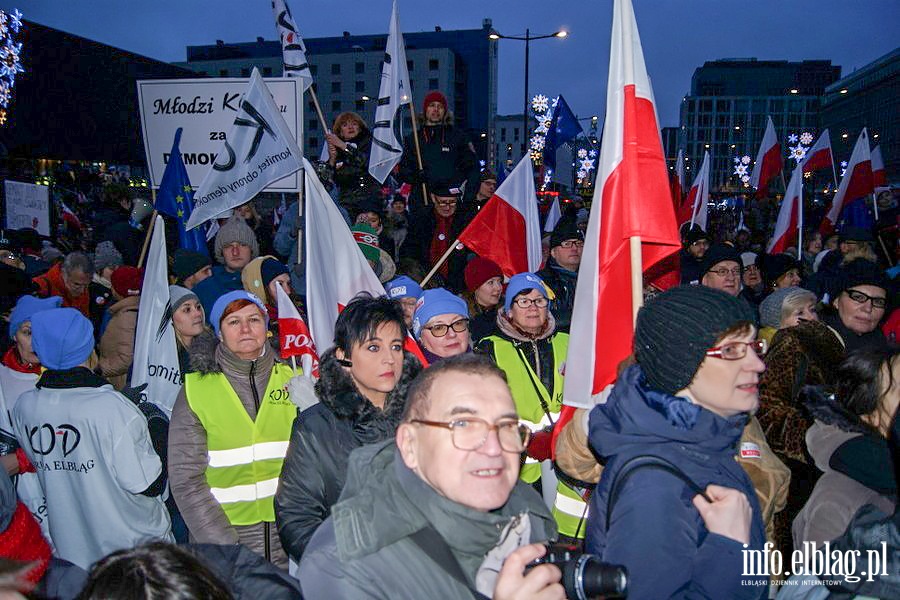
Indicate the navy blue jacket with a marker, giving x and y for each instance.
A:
(218, 284)
(655, 531)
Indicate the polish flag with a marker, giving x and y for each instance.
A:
(69, 216)
(678, 181)
(819, 155)
(698, 195)
(879, 177)
(856, 182)
(507, 229)
(790, 217)
(336, 270)
(294, 335)
(631, 199)
(768, 161)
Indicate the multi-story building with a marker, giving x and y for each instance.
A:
(725, 112)
(868, 97)
(510, 142)
(347, 71)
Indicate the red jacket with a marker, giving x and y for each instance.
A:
(51, 284)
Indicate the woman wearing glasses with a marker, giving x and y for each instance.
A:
(673, 505)
(860, 302)
(361, 395)
(441, 324)
(532, 353)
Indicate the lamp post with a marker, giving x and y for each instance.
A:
(527, 38)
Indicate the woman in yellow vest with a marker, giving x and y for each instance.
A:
(230, 430)
(533, 355)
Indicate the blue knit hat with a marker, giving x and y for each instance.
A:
(26, 307)
(522, 282)
(62, 338)
(437, 302)
(215, 315)
(402, 287)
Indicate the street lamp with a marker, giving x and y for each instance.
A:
(527, 38)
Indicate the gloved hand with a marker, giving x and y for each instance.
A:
(135, 394)
(302, 391)
(539, 446)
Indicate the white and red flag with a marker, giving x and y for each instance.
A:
(632, 199)
(768, 161)
(698, 195)
(507, 229)
(819, 155)
(678, 182)
(879, 177)
(790, 217)
(856, 182)
(293, 49)
(294, 336)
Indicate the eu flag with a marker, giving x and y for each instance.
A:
(176, 199)
(563, 127)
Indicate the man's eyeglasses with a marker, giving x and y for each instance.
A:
(725, 272)
(446, 203)
(699, 243)
(572, 243)
(470, 433)
(861, 298)
(440, 330)
(738, 350)
(526, 302)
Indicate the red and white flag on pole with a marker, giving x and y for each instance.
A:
(678, 180)
(294, 335)
(768, 161)
(507, 229)
(856, 182)
(879, 177)
(790, 217)
(631, 198)
(698, 195)
(819, 155)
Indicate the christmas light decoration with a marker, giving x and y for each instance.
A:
(10, 58)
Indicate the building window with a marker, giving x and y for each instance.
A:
(433, 84)
(360, 105)
(522, 149)
(503, 134)
(267, 71)
(336, 69)
(335, 87)
(360, 86)
(313, 124)
(336, 105)
(223, 72)
(360, 68)
(433, 64)
(245, 72)
(516, 134)
(311, 106)
(409, 65)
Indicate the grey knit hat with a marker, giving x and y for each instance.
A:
(677, 327)
(106, 255)
(770, 308)
(235, 230)
(179, 295)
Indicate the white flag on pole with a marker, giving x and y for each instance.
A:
(393, 93)
(699, 194)
(258, 151)
(292, 47)
(155, 353)
(553, 216)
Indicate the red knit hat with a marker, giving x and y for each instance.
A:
(127, 281)
(434, 96)
(479, 270)
(23, 541)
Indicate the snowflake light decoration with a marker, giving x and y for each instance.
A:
(10, 58)
(582, 153)
(793, 138)
(740, 170)
(745, 179)
(4, 94)
(592, 154)
(843, 167)
(587, 164)
(582, 174)
(806, 138)
(798, 153)
(540, 103)
(537, 143)
(541, 128)
(745, 159)
(737, 160)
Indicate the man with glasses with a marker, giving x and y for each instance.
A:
(696, 243)
(561, 271)
(721, 269)
(486, 188)
(70, 281)
(438, 512)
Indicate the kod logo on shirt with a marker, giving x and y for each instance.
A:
(46, 438)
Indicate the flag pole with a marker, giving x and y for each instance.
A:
(800, 221)
(415, 137)
(149, 229)
(438, 264)
(315, 99)
(637, 276)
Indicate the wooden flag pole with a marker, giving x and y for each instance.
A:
(438, 264)
(415, 136)
(149, 229)
(637, 276)
(315, 99)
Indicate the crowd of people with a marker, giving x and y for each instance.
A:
(759, 405)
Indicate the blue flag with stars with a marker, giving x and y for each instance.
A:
(176, 199)
(563, 127)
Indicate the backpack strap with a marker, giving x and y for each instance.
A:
(645, 461)
(433, 545)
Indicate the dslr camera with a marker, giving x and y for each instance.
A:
(585, 576)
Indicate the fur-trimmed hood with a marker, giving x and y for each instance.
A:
(824, 407)
(203, 353)
(336, 390)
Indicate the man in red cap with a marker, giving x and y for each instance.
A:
(448, 157)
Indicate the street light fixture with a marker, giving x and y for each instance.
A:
(365, 98)
(527, 38)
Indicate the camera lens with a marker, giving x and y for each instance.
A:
(587, 578)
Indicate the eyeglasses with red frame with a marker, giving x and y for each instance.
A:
(738, 350)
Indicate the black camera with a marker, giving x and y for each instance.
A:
(585, 576)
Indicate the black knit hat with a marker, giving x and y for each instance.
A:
(188, 262)
(676, 328)
(695, 234)
(719, 253)
(860, 271)
(776, 265)
(566, 229)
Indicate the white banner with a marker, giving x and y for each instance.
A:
(205, 109)
(28, 205)
(155, 353)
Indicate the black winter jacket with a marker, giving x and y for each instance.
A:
(562, 282)
(417, 246)
(447, 158)
(322, 438)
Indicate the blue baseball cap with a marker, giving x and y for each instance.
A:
(522, 282)
(402, 287)
(215, 315)
(437, 302)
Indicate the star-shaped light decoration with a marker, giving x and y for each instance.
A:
(740, 170)
(537, 143)
(798, 152)
(843, 167)
(592, 154)
(587, 164)
(582, 153)
(540, 103)
(806, 138)
(793, 138)
(745, 159)
(745, 179)
(737, 160)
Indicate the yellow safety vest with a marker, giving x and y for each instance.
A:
(569, 511)
(245, 456)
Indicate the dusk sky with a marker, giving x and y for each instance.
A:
(677, 36)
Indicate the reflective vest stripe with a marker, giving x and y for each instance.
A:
(535, 427)
(247, 454)
(570, 506)
(570, 511)
(245, 493)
